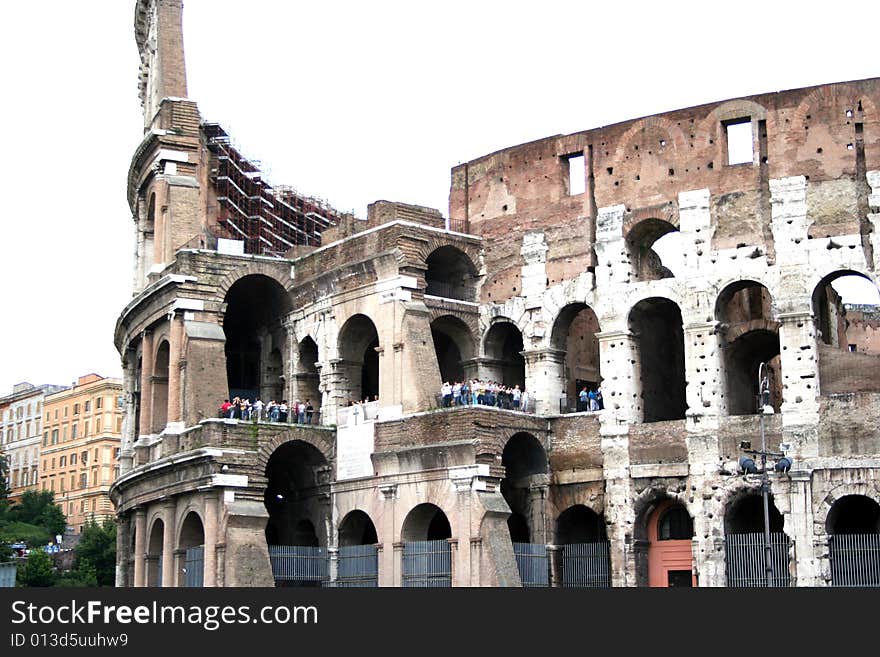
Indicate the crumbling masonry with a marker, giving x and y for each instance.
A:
(543, 275)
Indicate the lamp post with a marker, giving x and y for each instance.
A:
(748, 465)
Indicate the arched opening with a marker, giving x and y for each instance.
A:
(656, 324)
(846, 311)
(518, 528)
(645, 242)
(160, 387)
(297, 481)
(427, 557)
(670, 531)
(358, 563)
(192, 542)
(450, 274)
(853, 528)
(583, 542)
(574, 332)
(358, 345)
(503, 346)
(745, 544)
(524, 486)
(744, 310)
(155, 554)
(453, 343)
(306, 377)
(255, 337)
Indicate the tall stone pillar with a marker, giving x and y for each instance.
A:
(621, 383)
(148, 358)
(545, 378)
(618, 504)
(129, 385)
(211, 538)
(538, 514)
(124, 558)
(800, 383)
(613, 261)
(169, 567)
(799, 527)
(389, 574)
(704, 370)
(140, 546)
(174, 364)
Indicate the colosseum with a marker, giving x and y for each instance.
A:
(733, 438)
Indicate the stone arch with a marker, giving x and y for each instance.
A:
(838, 95)
(640, 238)
(357, 528)
(502, 344)
(862, 489)
(744, 513)
(297, 481)
(255, 308)
(161, 362)
(524, 486)
(434, 243)
(450, 273)
(579, 524)
(358, 348)
(574, 333)
(277, 273)
(306, 378)
(155, 551)
(425, 522)
(325, 445)
(823, 297)
(454, 344)
(190, 535)
(656, 323)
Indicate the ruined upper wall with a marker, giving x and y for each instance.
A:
(830, 134)
(158, 26)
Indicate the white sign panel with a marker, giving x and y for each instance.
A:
(354, 445)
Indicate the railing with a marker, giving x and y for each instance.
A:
(527, 404)
(746, 560)
(586, 565)
(357, 413)
(427, 564)
(194, 567)
(358, 567)
(446, 290)
(855, 560)
(299, 563)
(533, 564)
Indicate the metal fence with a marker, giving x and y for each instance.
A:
(427, 564)
(194, 567)
(745, 560)
(299, 563)
(7, 575)
(358, 567)
(855, 560)
(533, 564)
(586, 565)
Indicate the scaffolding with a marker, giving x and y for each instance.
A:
(269, 220)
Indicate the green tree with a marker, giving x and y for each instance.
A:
(14, 531)
(39, 508)
(37, 570)
(83, 575)
(97, 547)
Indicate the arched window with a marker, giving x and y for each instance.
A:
(675, 524)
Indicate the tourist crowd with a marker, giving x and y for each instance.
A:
(483, 393)
(300, 412)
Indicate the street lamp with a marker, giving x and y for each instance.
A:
(747, 465)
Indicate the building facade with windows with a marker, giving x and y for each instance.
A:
(79, 447)
(20, 430)
(549, 275)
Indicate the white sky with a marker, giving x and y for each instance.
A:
(352, 102)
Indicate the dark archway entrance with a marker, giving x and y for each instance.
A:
(427, 556)
(853, 528)
(584, 549)
(160, 387)
(450, 274)
(297, 481)
(358, 344)
(574, 332)
(656, 324)
(453, 343)
(745, 541)
(503, 347)
(155, 554)
(647, 264)
(192, 542)
(255, 337)
(358, 563)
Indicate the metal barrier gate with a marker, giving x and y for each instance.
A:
(299, 565)
(586, 565)
(358, 567)
(855, 560)
(745, 560)
(427, 564)
(533, 564)
(194, 567)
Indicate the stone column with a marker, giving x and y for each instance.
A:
(800, 377)
(174, 363)
(618, 504)
(140, 546)
(389, 555)
(704, 370)
(612, 257)
(129, 384)
(800, 528)
(169, 567)
(123, 554)
(461, 559)
(538, 514)
(211, 538)
(148, 357)
(621, 371)
(545, 378)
